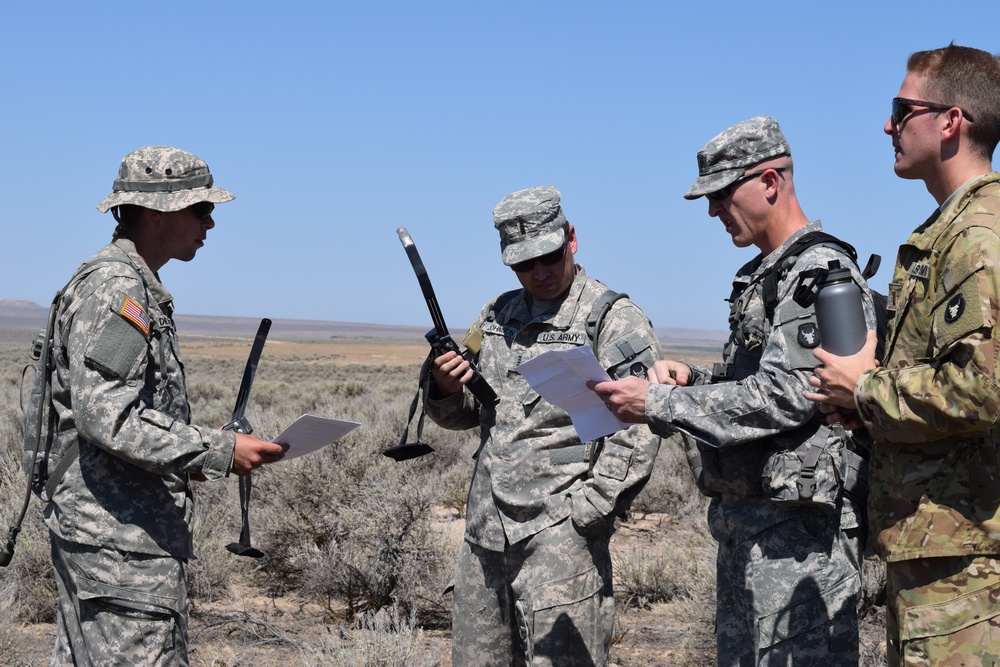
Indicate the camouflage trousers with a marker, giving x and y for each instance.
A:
(118, 608)
(943, 612)
(788, 596)
(545, 601)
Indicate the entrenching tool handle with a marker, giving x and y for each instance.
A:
(438, 337)
(240, 424)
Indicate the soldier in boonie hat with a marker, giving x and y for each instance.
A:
(116, 353)
(531, 223)
(163, 179)
(725, 159)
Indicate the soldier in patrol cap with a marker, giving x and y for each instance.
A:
(932, 406)
(120, 515)
(533, 580)
(788, 569)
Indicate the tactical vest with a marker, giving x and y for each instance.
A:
(810, 465)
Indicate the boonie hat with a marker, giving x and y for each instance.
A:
(726, 157)
(530, 223)
(163, 179)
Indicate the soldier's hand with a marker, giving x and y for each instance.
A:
(451, 372)
(667, 371)
(251, 453)
(625, 398)
(834, 380)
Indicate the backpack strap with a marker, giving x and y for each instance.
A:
(600, 310)
(787, 260)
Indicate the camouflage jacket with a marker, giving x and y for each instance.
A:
(531, 469)
(933, 407)
(746, 426)
(118, 389)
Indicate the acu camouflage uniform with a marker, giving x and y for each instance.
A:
(932, 410)
(788, 568)
(533, 582)
(120, 519)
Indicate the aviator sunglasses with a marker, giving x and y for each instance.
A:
(725, 192)
(203, 209)
(547, 259)
(903, 107)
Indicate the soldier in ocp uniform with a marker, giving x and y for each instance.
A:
(533, 582)
(120, 515)
(786, 490)
(932, 407)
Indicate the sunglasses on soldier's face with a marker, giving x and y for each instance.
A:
(903, 107)
(203, 209)
(727, 191)
(547, 259)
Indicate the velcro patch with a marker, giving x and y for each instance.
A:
(954, 309)
(920, 270)
(808, 335)
(134, 313)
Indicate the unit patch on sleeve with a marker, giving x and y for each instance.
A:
(808, 335)
(954, 309)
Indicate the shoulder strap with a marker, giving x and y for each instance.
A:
(600, 310)
(500, 303)
(787, 260)
(73, 450)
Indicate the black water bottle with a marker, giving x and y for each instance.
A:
(840, 314)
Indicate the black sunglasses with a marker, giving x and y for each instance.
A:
(727, 191)
(547, 259)
(903, 107)
(203, 209)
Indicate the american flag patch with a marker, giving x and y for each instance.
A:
(134, 313)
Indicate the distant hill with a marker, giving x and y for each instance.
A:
(15, 314)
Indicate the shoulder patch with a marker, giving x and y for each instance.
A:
(954, 309)
(134, 313)
(808, 335)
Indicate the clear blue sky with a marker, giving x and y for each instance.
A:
(334, 123)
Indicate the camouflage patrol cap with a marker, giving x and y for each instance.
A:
(726, 157)
(163, 179)
(530, 223)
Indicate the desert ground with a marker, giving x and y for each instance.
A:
(663, 556)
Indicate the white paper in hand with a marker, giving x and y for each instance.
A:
(309, 433)
(560, 377)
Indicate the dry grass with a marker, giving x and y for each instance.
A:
(358, 547)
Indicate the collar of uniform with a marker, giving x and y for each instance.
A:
(566, 314)
(940, 221)
(156, 289)
(762, 262)
(563, 316)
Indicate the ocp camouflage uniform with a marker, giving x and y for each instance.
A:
(541, 506)
(120, 517)
(932, 410)
(788, 567)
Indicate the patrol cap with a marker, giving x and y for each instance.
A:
(727, 156)
(163, 179)
(530, 223)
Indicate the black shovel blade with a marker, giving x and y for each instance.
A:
(244, 550)
(410, 450)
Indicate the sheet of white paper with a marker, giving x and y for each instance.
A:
(309, 433)
(560, 377)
